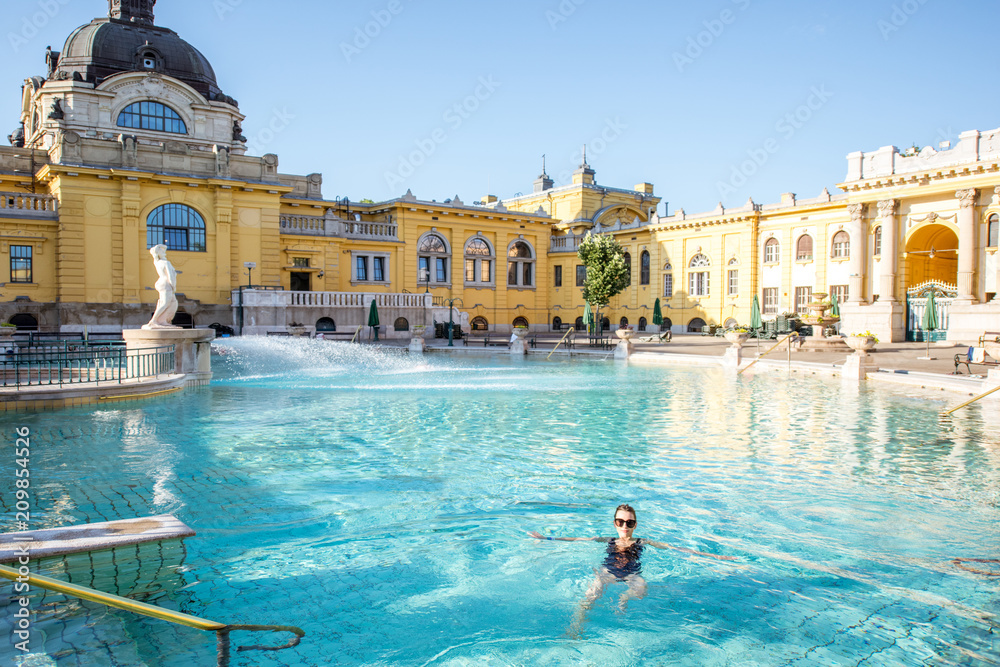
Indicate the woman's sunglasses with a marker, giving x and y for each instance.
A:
(628, 523)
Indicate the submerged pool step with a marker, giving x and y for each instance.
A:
(91, 537)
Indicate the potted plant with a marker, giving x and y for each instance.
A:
(862, 342)
(419, 330)
(521, 331)
(625, 332)
(737, 335)
(297, 329)
(7, 330)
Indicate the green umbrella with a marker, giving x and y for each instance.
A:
(373, 318)
(930, 321)
(588, 317)
(834, 306)
(756, 322)
(657, 313)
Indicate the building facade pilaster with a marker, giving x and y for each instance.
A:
(966, 243)
(859, 251)
(890, 251)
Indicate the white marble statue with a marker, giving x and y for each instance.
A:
(166, 285)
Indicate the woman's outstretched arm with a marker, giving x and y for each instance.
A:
(664, 545)
(539, 536)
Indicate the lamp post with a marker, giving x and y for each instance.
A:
(451, 319)
(250, 266)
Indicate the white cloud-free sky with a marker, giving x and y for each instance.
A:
(715, 100)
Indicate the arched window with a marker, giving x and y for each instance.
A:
(325, 324)
(877, 243)
(644, 268)
(556, 323)
(24, 322)
(666, 324)
(733, 277)
(642, 324)
(151, 116)
(479, 323)
(520, 322)
(176, 226)
(628, 265)
(433, 257)
(841, 245)
(579, 324)
(696, 325)
(183, 320)
(771, 251)
(605, 323)
(520, 265)
(698, 278)
(804, 248)
(401, 324)
(993, 231)
(479, 258)
(623, 322)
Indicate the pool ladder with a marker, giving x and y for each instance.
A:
(221, 630)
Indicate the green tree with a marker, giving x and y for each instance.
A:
(607, 273)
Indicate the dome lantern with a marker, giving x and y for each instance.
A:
(132, 11)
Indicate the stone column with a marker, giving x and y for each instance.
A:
(966, 243)
(890, 251)
(859, 252)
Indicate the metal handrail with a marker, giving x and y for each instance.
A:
(971, 401)
(768, 352)
(560, 343)
(61, 364)
(221, 630)
(355, 337)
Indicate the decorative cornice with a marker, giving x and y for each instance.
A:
(967, 197)
(857, 212)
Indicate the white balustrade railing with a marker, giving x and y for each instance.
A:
(251, 298)
(303, 224)
(25, 203)
(371, 230)
(568, 243)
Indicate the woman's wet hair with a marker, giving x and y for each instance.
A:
(628, 508)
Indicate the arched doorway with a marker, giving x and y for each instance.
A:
(479, 323)
(666, 324)
(325, 324)
(931, 265)
(695, 325)
(401, 324)
(932, 255)
(183, 320)
(521, 322)
(24, 322)
(556, 323)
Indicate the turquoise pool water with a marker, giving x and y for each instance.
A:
(382, 503)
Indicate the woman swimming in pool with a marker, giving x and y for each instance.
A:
(622, 563)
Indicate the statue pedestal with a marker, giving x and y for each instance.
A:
(733, 356)
(417, 346)
(857, 367)
(624, 349)
(192, 349)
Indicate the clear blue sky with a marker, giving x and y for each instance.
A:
(379, 117)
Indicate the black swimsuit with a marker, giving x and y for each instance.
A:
(623, 563)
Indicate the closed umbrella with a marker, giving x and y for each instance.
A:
(930, 322)
(756, 321)
(588, 317)
(373, 318)
(834, 306)
(657, 314)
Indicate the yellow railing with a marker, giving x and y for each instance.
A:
(776, 345)
(221, 630)
(357, 332)
(560, 343)
(970, 401)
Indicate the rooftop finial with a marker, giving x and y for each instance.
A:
(585, 156)
(132, 11)
(543, 163)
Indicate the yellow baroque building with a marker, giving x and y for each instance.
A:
(129, 141)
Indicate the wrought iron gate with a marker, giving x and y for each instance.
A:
(916, 305)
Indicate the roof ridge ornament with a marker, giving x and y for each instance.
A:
(132, 11)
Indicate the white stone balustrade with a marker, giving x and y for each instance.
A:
(21, 204)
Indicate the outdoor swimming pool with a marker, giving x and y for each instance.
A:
(381, 503)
